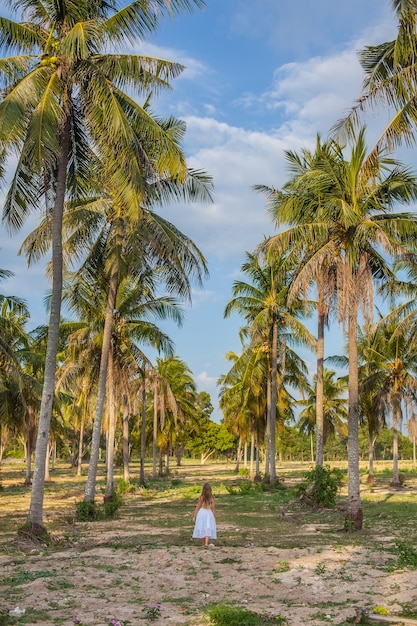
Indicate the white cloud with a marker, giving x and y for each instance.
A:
(206, 382)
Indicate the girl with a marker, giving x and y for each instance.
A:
(205, 517)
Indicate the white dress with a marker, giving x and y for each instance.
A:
(205, 524)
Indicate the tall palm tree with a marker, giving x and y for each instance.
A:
(63, 97)
(263, 304)
(356, 230)
(297, 204)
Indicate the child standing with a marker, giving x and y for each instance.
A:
(205, 516)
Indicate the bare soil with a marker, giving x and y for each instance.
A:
(300, 570)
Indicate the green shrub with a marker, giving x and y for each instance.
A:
(321, 486)
(243, 471)
(86, 511)
(112, 506)
(226, 615)
(125, 486)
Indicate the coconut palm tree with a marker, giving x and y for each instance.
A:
(263, 304)
(334, 406)
(357, 231)
(390, 82)
(297, 204)
(392, 376)
(62, 98)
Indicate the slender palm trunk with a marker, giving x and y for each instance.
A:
(239, 454)
(274, 394)
(81, 445)
(268, 428)
(320, 379)
(414, 451)
(143, 432)
(155, 427)
(354, 514)
(125, 437)
(90, 487)
(371, 478)
(396, 414)
(35, 515)
(252, 455)
(112, 431)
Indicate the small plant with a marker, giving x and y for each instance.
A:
(86, 511)
(4, 616)
(118, 622)
(125, 486)
(152, 611)
(321, 486)
(380, 610)
(245, 486)
(406, 555)
(320, 568)
(243, 471)
(226, 615)
(112, 506)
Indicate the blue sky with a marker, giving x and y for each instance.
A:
(261, 77)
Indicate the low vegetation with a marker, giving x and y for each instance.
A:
(139, 565)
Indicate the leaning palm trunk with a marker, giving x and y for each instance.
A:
(354, 514)
(35, 515)
(90, 487)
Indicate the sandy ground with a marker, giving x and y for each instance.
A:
(98, 583)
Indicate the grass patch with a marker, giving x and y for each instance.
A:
(223, 614)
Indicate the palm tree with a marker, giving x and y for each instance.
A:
(390, 81)
(297, 204)
(391, 356)
(175, 400)
(356, 231)
(263, 304)
(334, 407)
(61, 98)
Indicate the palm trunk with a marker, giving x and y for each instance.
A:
(81, 445)
(252, 455)
(143, 432)
(354, 514)
(155, 427)
(274, 393)
(112, 431)
(125, 436)
(90, 487)
(320, 379)
(238, 455)
(35, 515)
(268, 429)
(371, 478)
(396, 414)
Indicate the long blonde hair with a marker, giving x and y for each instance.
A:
(207, 494)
